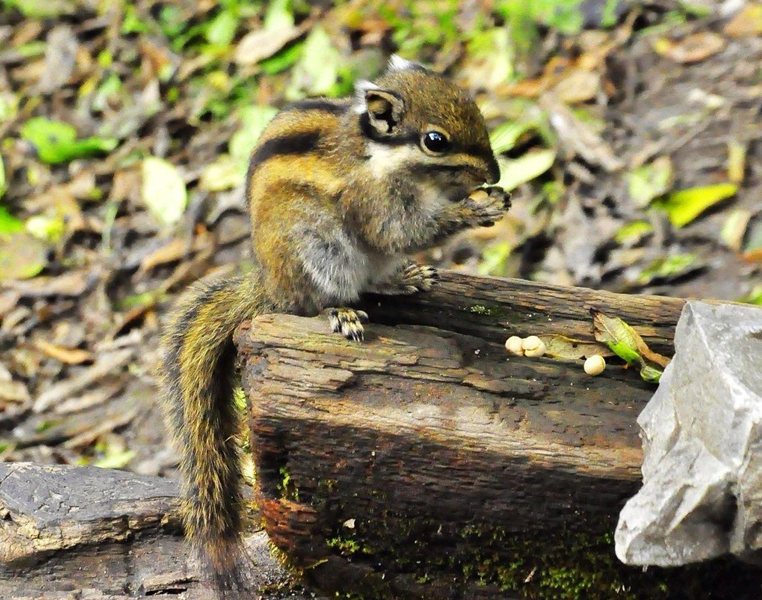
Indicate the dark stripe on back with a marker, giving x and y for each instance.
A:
(298, 143)
(402, 139)
(321, 104)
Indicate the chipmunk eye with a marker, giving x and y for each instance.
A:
(436, 142)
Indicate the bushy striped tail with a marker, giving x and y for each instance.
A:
(197, 380)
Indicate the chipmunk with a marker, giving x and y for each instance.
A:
(339, 192)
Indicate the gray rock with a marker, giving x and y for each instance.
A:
(702, 439)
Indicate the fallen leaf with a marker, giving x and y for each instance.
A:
(514, 172)
(60, 54)
(3, 182)
(693, 48)
(47, 228)
(21, 256)
(754, 296)
(254, 119)
(747, 22)
(70, 356)
(221, 30)
(490, 58)
(627, 343)
(44, 10)
(317, 71)
(578, 137)
(163, 190)
(669, 268)
(97, 396)
(579, 86)
(115, 459)
(734, 228)
(56, 142)
(617, 335)
(71, 284)
(634, 232)
(736, 161)
(8, 223)
(504, 137)
(88, 437)
(560, 346)
(225, 173)
(684, 206)
(107, 364)
(14, 391)
(256, 46)
(650, 181)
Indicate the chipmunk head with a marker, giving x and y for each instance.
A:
(422, 125)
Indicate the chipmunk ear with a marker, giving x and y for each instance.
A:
(385, 110)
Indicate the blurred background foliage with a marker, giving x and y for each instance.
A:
(628, 131)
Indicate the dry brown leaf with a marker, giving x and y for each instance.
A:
(560, 346)
(746, 22)
(578, 86)
(88, 437)
(753, 256)
(70, 356)
(108, 364)
(693, 48)
(13, 391)
(71, 284)
(256, 46)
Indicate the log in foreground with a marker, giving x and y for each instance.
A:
(84, 533)
(425, 463)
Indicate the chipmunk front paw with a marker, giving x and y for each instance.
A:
(485, 206)
(348, 322)
(420, 277)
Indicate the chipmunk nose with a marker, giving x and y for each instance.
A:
(494, 171)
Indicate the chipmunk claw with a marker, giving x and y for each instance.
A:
(348, 322)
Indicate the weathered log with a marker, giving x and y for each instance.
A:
(425, 463)
(95, 534)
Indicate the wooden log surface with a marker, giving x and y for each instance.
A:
(83, 533)
(426, 463)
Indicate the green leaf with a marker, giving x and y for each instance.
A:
(627, 343)
(56, 142)
(279, 15)
(317, 71)
(48, 229)
(753, 297)
(505, 136)
(494, 259)
(21, 256)
(650, 373)
(163, 190)
(684, 206)
(282, 60)
(222, 29)
(225, 173)
(633, 232)
(3, 180)
(8, 223)
(617, 335)
(663, 268)
(37, 9)
(115, 459)
(650, 181)
(491, 57)
(525, 168)
(254, 119)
